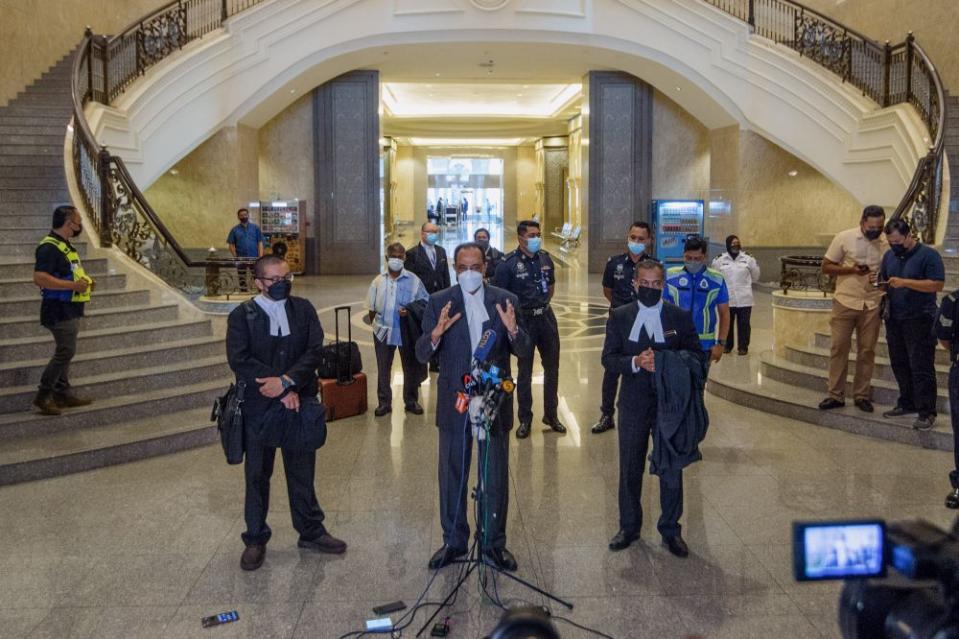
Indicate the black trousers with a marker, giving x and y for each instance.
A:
(739, 320)
(300, 468)
(384, 367)
(610, 386)
(635, 429)
(455, 456)
(912, 354)
(954, 418)
(544, 335)
(56, 376)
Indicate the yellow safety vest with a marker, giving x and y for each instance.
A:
(75, 267)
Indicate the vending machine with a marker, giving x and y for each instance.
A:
(673, 221)
(285, 221)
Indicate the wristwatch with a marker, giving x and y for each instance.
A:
(287, 382)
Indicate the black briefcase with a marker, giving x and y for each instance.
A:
(341, 360)
(228, 415)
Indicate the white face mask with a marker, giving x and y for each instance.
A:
(470, 281)
(395, 264)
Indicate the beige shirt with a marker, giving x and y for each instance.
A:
(848, 248)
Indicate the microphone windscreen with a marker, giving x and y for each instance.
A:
(485, 346)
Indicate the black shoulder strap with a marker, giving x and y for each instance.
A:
(250, 307)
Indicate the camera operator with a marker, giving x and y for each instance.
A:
(453, 323)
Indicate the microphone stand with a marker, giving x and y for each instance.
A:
(477, 558)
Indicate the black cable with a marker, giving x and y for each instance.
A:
(576, 625)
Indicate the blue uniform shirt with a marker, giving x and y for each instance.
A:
(921, 263)
(700, 294)
(618, 276)
(528, 278)
(246, 240)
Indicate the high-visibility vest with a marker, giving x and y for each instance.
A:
(76, 273)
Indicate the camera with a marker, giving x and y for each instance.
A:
(917, 601)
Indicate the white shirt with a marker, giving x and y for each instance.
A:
(276, 310)
(740, 273)
(649, 318)
(476, 314)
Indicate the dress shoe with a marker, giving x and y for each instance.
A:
(445, 556)
(952, 499)
(676, 546)
(899, 411)
(727, 351)
(554, 425)
(924, 422)
(829, 403)
(324, 543)
(523, 431)
(70, 401)
(414, 408)
(44, 401)
(864, 405)
(604, 424)
(622, 540)
(744, 351)
(383, 409)
(502, 559)
(253, 557)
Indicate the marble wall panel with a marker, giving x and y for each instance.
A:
(285, 150)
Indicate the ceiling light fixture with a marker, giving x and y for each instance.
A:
(793, 173)
(174, 172)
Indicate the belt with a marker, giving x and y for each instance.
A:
(534, 312)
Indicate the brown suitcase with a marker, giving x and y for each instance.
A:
(344, 400)
(345, 395)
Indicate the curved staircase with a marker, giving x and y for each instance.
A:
(152, 365)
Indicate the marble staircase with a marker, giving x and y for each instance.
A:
(951, 140)
(151, 365)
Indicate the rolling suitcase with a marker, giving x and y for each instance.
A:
(345, 394)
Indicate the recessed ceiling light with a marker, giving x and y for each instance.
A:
(678, 88)
(292, 90)
(793, 173)
(525, 86)
(174, 172)
(437, 74)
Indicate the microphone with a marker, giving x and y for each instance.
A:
(485, 346)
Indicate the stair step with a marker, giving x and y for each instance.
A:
(819, 358)
(109, 338)
(32, 129)
(102, 300)
(26, 373)
(25, 288)
(39, 456)
(30, 139)
(23, 269)
(33, 172)
(20, 150)
(23, 325)
(824, 341)
(34, 159)
(38, 120)
(741, 382)
(30, 208)
(30, 234)
(23, 222)
(789, 372)
(28, 249)
(50, 183)
(64, 111)
(128, 382)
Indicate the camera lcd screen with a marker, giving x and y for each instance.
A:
(839, 550)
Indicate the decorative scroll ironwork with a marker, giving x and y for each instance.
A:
(823, 42)
(161, 35)
(804, 273)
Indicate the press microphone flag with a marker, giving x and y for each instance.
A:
(485, 346)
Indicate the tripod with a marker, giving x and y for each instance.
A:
(477, 557)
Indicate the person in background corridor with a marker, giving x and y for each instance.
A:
(740, 271)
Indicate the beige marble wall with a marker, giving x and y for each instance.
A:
(753, 196)
(198, 198)
(285, 156)
(933, 22)
(525, 182)
(35, 34)
(405, 165)
(680, 152)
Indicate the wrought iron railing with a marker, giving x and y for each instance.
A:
(804, 273)
(105, 67)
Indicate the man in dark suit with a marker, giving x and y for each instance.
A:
(275, 353)
(427, 260)
(633, 333)
(453, 323)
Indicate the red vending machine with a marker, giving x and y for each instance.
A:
(285, 221)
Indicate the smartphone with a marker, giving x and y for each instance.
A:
(386, 609)
(222, 618)
(839, 549)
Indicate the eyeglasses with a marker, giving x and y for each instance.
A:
(276, 280)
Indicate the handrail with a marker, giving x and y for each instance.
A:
(105, 67)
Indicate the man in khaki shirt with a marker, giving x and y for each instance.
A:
(854, 257)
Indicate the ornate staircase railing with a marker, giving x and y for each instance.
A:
(105, 67)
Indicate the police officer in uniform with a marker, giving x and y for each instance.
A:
(618, 289)
(947, 323)
(528, 273)
(65, 288)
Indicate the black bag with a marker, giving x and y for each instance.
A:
(291, 430)
(341, 360)
(228, 415)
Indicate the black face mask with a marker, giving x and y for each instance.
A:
(898, 249)
(483, 244)
(648, 296)
(733, 252)
(279, 291)
(872, 234)
(78, 231)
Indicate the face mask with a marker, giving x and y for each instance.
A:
(279, 290)
(431, 238)
(78, 231)
(648, 296)
(898, 249)
(470, 281)
(636, 248)
(733, 252)
(394, 264)
(872, 234)
(694, 267)
(533, 244)
(244, 220)
(483, 244)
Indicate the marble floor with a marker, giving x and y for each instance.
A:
(148, 549)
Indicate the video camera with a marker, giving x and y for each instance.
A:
(918, 602)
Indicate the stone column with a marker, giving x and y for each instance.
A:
(620, 130)
(346, 161)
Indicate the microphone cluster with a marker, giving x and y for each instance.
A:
(484, 388)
